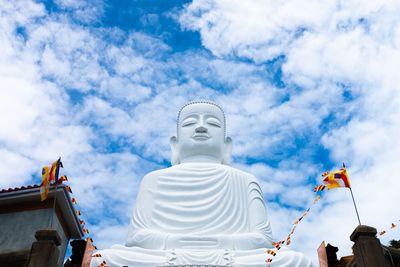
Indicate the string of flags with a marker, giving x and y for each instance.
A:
(288, 240)
(392, 226)
(91, 241)
(331, 180)
(103, 262)
(50, 175)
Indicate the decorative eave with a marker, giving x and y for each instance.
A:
(31, 194)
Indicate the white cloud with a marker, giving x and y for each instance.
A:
(256, 29)
(15, 168)
(83, 11)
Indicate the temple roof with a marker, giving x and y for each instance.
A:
(31, 194)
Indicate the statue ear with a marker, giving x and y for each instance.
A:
(173, 141)
(227, 151)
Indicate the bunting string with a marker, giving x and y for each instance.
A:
(272, 253)
(331, 180)
(85, 230)
(103, 262)
(82, 223)
(392, 226)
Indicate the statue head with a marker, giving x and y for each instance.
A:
(201, 134)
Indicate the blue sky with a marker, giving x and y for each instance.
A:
(305, 86)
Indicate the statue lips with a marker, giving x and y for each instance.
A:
(201, 136)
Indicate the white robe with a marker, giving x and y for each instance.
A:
(199, 213)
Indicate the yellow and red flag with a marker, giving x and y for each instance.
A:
(336, 179)
(44, 186)
(55, 168)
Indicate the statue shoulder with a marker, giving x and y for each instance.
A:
(253, 186)
(248, 176)
(152, 176)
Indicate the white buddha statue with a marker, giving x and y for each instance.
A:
(200, 211)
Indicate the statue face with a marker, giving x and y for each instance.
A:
(201, 133)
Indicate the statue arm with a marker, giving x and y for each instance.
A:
(260, 234)
(140, 232)
(146, 238)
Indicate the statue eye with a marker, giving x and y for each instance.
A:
(214, 122)
(188, 122)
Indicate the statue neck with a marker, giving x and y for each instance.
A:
(201, 159)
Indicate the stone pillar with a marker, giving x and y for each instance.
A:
(367, 248)
(44, 251)
(87, 257)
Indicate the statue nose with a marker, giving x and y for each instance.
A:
(201, 129)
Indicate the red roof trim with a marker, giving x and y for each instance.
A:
(19, 188)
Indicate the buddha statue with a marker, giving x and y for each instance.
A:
(200, 211)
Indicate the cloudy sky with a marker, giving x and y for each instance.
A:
(305, 84)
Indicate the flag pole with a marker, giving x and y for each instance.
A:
(352, 196)
(59, 164)
(354, 202)
(54, 205)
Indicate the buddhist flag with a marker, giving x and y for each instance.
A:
(55, 168)
(44, 186)
(77, 212)
(319, 188)
(277, 245)
(73, 201)
(288, 240)
(336, 179)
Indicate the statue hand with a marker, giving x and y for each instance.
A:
(192, 241)
(225, 241)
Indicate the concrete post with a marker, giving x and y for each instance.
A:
(44, 251)
(367, 248)
(87, 257)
